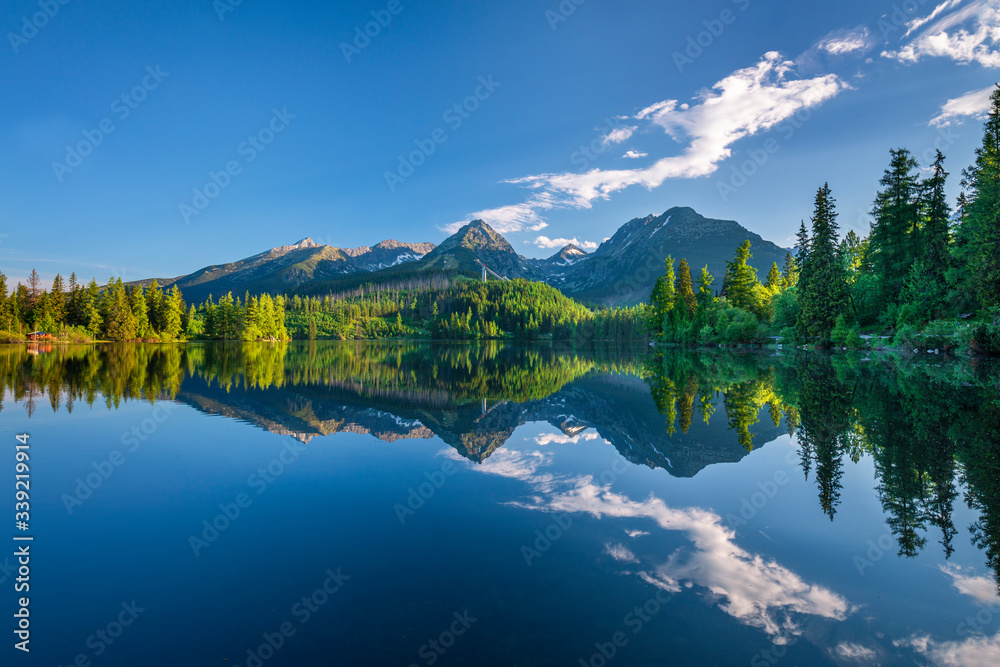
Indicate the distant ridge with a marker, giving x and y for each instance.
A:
(621, 271)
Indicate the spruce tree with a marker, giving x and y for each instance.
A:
(982, 181)
(774, 279)
(5, 314)
(173, 308)
(894, 241)
(705, 293)
(823, 284)
(685, 300)
(137, 302)
(57, 300)
(741, 288)
(936, 216)
(120, 323)
(790, 272)
(663, 298)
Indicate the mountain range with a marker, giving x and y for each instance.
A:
(621, 271)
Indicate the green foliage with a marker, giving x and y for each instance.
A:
(986, 338)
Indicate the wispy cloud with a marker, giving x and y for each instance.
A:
(746, 102)
(509, 219)
(756, 591)
(547, 243)
(971, 105)
(635, 155)
(845, 42)
(966, 32)
(620, 553)
(981, 588)
(620, 135)
(976, 651)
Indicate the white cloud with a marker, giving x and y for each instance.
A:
(977, 651)
(982, 589)
(620, 553)
(637, 533)
(851, 651)
(510, 219)
(560, 439)
(846, 41)
(547, 243)
(744, 103)
(758, 592)
(620, 135)
(748, 101)
(966, 32)
(971, 105)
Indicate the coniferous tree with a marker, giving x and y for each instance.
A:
(741, 288)
(774, 279)
(57, 300)
(73, 301)
(663, 298)
(5, 314)
(936, 239)
(173, 308)
(120, 323)
(90, 309)
(982, 214)
(790, 272)
(823, 284)
(137, 302)
(802, 244)
(685, 300)
(154, 306)
(894, 238)
(705, 293)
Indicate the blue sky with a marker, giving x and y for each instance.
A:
(573, 119)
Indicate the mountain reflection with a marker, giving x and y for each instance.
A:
(930, 427)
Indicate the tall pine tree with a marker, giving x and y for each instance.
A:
(823, 282)
(982, 181)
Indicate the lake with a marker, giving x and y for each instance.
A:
(403, 504)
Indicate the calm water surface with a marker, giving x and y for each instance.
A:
(352, 504)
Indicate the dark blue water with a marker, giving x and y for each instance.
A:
(359, 505)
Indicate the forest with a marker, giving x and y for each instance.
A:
(926, 277)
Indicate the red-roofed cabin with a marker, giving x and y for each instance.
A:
(40, 335)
